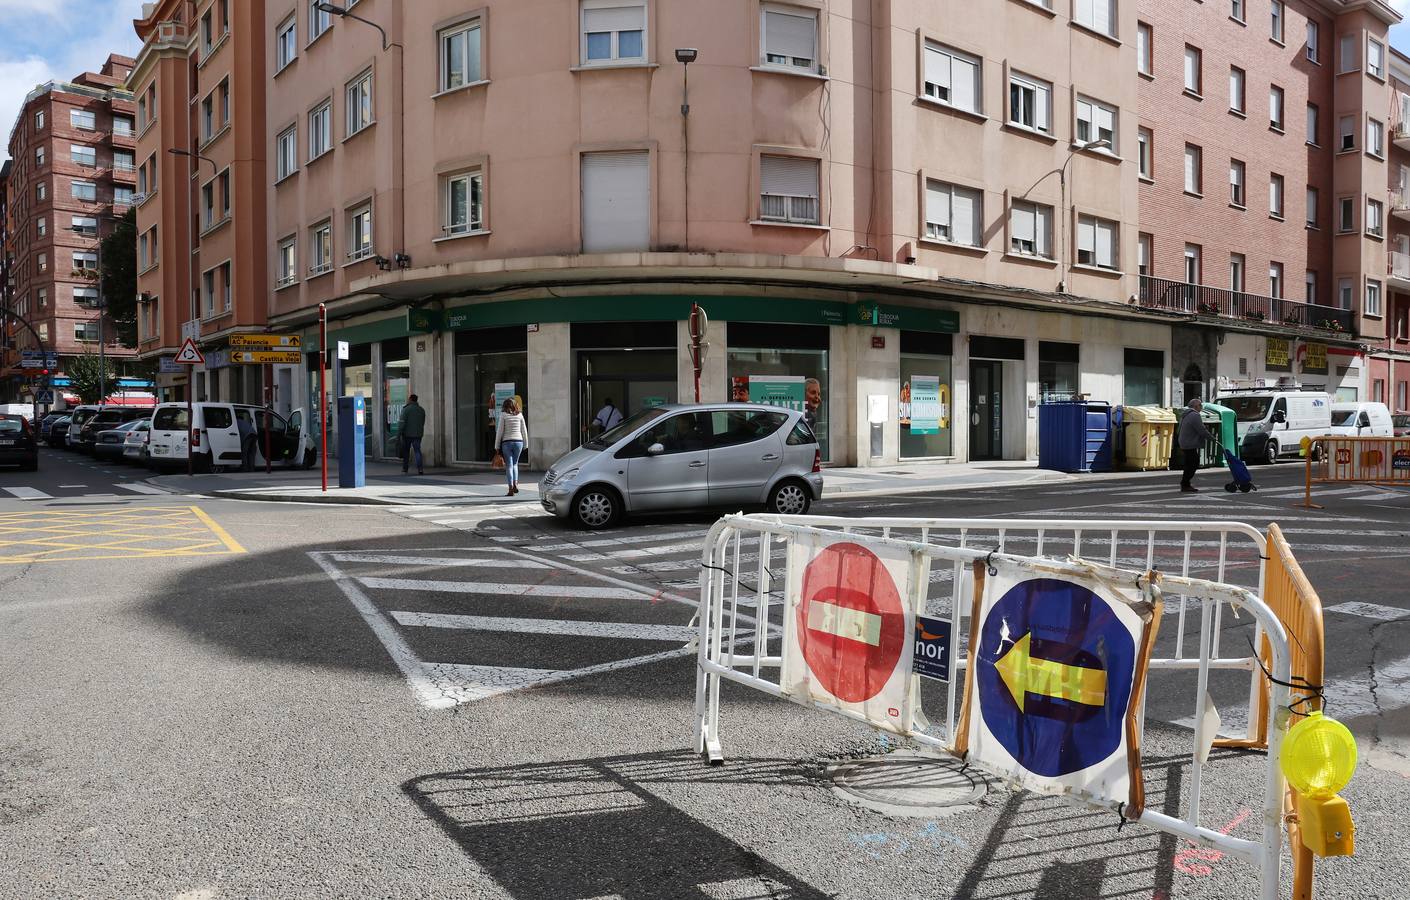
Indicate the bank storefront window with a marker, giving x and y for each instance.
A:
(924, 408)
(357, 379)
(491, 364)
(1145, 373)
(784, 366)
(396, 387)
(633, 364)
(1057, 371)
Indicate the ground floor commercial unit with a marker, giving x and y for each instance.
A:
(1389, 379)
(1208, 358)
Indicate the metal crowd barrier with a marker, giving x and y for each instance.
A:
(1356, 460)
(746, 579)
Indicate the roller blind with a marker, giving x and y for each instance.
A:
(616, 201)
(790, 35)
(964, 212)
(789, 175)
(614, 18)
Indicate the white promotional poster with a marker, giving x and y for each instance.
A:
(1055, 663)
(848, 629)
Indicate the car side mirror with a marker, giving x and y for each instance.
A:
(1280, 417)
(655, 450)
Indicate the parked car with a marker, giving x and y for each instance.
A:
(109, 443)
(1401, 423)
(1272, 423)
(105, 418)
(1362, 419)
(58, 432)
(216, 439)
(18, 446)
(689, 457)
(78, 416)
(46, 423)
(134, 446)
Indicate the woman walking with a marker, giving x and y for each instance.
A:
(511, 434)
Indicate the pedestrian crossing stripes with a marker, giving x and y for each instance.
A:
(547, 626)
(34, 494)
(500, 589)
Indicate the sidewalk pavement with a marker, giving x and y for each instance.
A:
(386, 485)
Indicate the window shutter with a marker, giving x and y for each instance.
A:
(937, 68)
(1101, 15)
(1023, 223)
(965, 92)
(789, 35)
(1087, 235)
(1042, 100)
(937, 204)
(790, 175)
(1106, 244)
(965, 209)
(1043, 229)
(1191, 184)
(616, 202)
(614, 18)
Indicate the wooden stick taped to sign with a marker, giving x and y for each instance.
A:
(1134, 708)
(960, 746)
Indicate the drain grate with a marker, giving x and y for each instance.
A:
(907, 784)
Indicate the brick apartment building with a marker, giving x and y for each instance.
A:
(202, 255)
(512, 199)
(71, 172)
(1389, 379)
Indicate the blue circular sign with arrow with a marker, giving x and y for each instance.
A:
(1054, 673)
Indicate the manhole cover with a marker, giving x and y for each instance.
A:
(907, 784)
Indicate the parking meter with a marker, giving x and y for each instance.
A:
(352, 428)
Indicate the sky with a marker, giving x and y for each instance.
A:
(42, 40)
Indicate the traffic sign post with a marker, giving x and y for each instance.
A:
(265, 357)
(189, 355)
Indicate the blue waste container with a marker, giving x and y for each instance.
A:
(1074, 436)
(1099, 444)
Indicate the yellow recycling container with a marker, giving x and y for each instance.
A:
(1150, 433)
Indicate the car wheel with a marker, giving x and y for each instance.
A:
(596, 507)
(789, 498)
(1270, 453)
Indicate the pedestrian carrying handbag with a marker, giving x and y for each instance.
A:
(498, 460)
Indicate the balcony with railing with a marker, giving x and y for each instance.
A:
(1219, 303)
(1400, 134)
(1398, 270)
(1400, 204)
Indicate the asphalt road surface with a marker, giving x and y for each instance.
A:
(212, 699)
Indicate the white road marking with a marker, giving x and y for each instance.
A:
(648, 538)
(139, 488)
(632, 552)
(443, 561)
(1369, 610)
(556, 591)
(67, 486)
(572, 627)
(27, 493)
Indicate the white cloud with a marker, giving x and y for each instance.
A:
(17, 78)
(51, 8)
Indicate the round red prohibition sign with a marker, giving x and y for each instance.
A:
(851, 626)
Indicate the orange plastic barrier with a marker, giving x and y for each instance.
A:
(1356, 460)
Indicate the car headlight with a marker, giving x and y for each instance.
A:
(569, 475)
(1258, 428)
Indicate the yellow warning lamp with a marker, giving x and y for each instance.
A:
(1318, 759)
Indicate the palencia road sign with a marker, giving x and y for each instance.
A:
(266, 342)
(259, 357)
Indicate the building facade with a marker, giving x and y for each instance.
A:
(71, 174)
(201, 247)
(1390, 359)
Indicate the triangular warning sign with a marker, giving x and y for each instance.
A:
(189, 354)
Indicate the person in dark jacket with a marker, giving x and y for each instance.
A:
(410, 430)
(1191, 436)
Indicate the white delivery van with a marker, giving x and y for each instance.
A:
(1362, 420)
(227, 435)
(1271, 423)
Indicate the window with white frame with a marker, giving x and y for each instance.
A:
(85, 332)
(1346, 293)
(1236, 272)
(789, 37)
(1194, 170)
(789, 189)
(39, 120)
(1275, 107)
(360, 233)
(464, 199)
(84, 119)
(1375, 138)
(953, 78)
(208, 292)
(83, 156)
(288, 265)
(1346, 214)
(1275, 21)
(1193, 253)
(41, 262)
(1314, 40)
(286, 42)
(1309, 286)
(42, 297)
(122, 126)
(85, 296)
(85, 261)
(1372, 306)
(613, 31)
(1313, 122)
(39, 157)
(208, 215)
(207, 117)
(359, 102)
(1097, 241)
(286, 153)
(1143, 48)
(320, 130)
(124, 160)
(1143, 254)
(41, 192)
(954, 214)
(1236, 89)
(41, 226)
(1098, 15)
(1346, 134)
(1311, 207)
(207, 32)
(1144, 153)
(1194, 63)
(1275, 195)
(227, 283)
(1237, 179)
(1375, 217)
(1030, 103)
(460, 54)
(318, 21)
(84, 190)
(1375, 58)
(1096, 121)
(320, 249)
(1236, 10)
(1275, 279)
(222, 93)
(1347, 58)
(1031, 229)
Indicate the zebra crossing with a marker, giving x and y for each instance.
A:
(70, 492)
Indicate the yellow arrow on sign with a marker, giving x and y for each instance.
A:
(1025, 674)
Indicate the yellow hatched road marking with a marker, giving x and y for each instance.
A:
(35, 536)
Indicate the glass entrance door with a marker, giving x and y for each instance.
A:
(632, 379)
(986, 415)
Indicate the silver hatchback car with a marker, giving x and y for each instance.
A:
(689, 457)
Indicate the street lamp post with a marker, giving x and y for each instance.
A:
(685, 56)
(190, 251)
(1062, 181)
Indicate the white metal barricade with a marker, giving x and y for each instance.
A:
(745, 570)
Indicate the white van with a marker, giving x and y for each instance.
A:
(216, 436)
(1362, 420)
(1272, 423)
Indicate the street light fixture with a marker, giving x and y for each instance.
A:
(342, 12)
(1101, 144)
(685, 56)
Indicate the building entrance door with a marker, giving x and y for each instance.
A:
(986, 411)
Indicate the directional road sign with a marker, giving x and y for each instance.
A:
(1055, 668)
(189, 354)
(259, 357)
(44, 397)
(266, 342)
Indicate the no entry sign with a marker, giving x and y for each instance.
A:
(851, 627)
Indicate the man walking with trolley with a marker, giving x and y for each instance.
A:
(1191, 436)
